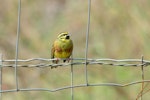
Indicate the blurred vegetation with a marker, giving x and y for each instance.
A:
(119, 29)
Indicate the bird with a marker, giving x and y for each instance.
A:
(62, 48)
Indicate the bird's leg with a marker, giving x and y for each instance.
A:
(68, 59)
(55, 61)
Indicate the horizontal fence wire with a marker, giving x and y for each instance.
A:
(43, 62)
(77, 61)
(77, 86)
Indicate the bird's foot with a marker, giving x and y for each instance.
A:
(55, 61)
(68, 59)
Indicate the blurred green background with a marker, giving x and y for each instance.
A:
(119, 29)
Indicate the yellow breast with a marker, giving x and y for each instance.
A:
(63, 49)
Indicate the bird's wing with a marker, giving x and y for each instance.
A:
(52, 51)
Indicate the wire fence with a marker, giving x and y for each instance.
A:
(43, 62)
(77, 61)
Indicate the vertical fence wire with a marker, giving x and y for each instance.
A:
(142, 69)
(140, 94)
(1, 71)
(87, 40)
(72, 80)
(17, 44)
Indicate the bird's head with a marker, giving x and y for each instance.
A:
(64, 36)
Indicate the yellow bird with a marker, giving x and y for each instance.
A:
(62, 47)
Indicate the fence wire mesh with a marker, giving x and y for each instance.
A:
(43, 63)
